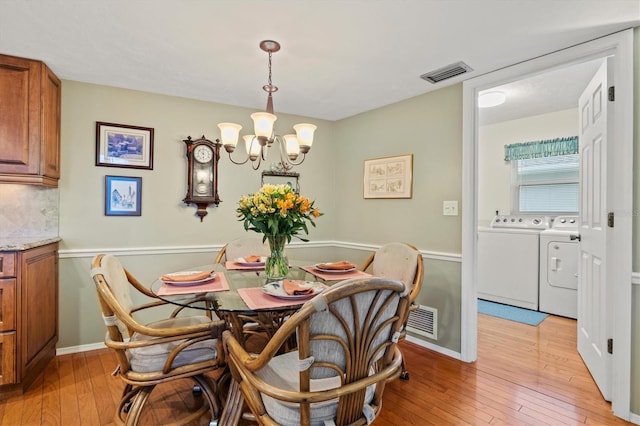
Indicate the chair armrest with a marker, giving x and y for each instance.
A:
(213, 328)
(234, 349)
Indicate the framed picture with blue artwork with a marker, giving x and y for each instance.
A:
(123, 196)
(122, 145)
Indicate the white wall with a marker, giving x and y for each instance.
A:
(494, 174)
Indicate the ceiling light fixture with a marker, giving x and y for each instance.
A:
(491, 99)
(290, 146)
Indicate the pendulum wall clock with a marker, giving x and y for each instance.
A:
(202, 174)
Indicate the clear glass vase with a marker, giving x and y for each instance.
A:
(277, 265)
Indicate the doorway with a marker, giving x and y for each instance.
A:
(618, 276)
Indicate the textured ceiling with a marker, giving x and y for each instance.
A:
(338, 58)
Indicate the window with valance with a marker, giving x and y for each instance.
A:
(540, 149)
(545, 175)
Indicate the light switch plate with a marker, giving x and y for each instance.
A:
(450, 208)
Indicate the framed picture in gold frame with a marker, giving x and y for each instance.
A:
(388, 177)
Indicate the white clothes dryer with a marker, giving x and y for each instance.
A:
(559, 252)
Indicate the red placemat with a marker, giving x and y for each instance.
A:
(256, 298)
(335, 276)
(233, 266)
(219, 283)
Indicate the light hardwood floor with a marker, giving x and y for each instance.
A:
(524, 376)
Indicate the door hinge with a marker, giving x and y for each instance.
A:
(610, 346)
(612, 93)
(610, 219)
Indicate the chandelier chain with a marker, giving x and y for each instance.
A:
(270, 85)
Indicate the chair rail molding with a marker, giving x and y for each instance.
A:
(212, 248)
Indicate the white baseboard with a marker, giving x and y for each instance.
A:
(435, 348)
(80, 348)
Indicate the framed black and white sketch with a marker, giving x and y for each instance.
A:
(388, 177)
(121, 145)
(123, 196)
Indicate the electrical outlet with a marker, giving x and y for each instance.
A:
(450, 208)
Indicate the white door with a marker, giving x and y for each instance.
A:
(594, 328)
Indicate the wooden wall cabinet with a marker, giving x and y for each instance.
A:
(30, 122)
(28, 316)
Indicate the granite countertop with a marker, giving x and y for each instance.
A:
(25, 243)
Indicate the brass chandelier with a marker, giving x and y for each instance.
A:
(290, 146)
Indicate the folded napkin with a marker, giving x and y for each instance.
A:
(186, 276)
(337, 266)
(296, 287)
(252, 259)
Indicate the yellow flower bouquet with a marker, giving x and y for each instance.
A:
(279, 214)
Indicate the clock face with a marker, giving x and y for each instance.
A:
(203, 153)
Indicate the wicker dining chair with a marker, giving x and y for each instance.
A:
(241, 247)
(346, 353)
(150, 354)
(399, 261)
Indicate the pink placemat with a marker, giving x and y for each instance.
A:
(255, 298)
(219, 283)
(230, 265)
(335, 276)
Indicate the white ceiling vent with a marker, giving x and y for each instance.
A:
(446, 72)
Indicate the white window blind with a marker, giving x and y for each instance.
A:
(547, 185)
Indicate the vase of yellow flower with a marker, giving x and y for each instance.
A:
(278, 213)
(277, 264)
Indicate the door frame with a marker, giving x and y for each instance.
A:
(619, 272)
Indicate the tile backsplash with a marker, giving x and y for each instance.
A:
(29, 211)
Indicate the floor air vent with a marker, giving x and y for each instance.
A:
(446, 72)
(424, 321)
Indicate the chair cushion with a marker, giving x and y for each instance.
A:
(396, 261)
(152, 358)
(279, 373)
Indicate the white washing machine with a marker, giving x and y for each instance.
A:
(508, 260)
(559, 253)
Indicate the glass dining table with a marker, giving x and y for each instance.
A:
(239, 296)
(227, 295)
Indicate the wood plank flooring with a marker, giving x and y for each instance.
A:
(524, 376)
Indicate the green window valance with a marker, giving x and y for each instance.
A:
(540, 149)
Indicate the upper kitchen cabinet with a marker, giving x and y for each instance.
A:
(30, 123)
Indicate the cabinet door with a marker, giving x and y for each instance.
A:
(39, 294)
(7, 304)
(20, 112)
(50, 130)
(7, 358)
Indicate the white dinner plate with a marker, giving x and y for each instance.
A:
(334, 271)
(276, 289)
(189, 283)
(241, 261)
